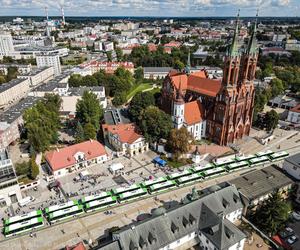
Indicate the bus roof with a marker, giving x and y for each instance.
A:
(23, 224)
(214, 170)
(96, 196)
(61, 206)
(22, 217)
(263, 153)
(245, 157)
(157, 180)
(279, 154)
(99, 202)
(202, 168)
(258, 159)
(237, 164)
(65, 211)
(190, 177)
(179, 174)
(125, 189)
(163, 184)
(134, 192)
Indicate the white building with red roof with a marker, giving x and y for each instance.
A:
(125, 138)
(66, 160)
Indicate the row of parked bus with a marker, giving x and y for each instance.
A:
(20, 224)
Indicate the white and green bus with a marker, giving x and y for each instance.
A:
(62, 206)
(131, 195)
(223, 162)
(148, 183)
(24, 226)
(160, 187)
(213, 172)
(258, 161)
(66, 213)
(100, 204)
(23, 217)
(120, 190)
(237, 165)
(200, 169)
(279, 156)
(189, 179)
(177, 175)
(264, 153)
(95, 197)
(244, 157)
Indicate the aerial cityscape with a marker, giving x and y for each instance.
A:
(130, 125)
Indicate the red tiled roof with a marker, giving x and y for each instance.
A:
(78, 246)
(193, 112)
(127, 133)
(197, 82)
(296, 109)
(64, 157)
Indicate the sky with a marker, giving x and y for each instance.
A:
(185, 8)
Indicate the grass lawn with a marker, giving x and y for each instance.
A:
(138, 88)
(176, 164)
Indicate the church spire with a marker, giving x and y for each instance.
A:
(234, 50)
(252, 45)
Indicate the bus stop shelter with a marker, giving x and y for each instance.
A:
(159, 161)
(115, 167)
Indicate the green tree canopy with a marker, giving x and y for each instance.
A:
(88, 110)
(34, 169)
(119, 99)
(271, 120)
(89, 131)
(272, 215)
(75, 80)
(276, 87)
(154, 124)
(139, 102)
(179, 142)
(139, 74)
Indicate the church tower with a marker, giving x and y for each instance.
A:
(178, 109)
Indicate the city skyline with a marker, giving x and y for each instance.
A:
(163, 8)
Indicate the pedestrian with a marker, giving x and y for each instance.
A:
(78, 235)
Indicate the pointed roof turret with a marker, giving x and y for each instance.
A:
(234, 49)
(252, 45)
(188, 64)
(179, 94)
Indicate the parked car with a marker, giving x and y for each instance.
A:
(287, 232)
(292, 239)
(296, 215)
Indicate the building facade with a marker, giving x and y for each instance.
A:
(48, 60)
(77, 157)
(9, 188)
(291, 165)
(294, 115)
(38, 76)
(221, 109)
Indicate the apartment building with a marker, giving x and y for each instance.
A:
(49, 60)
(6, 45)
(22, 68)
(13, 91)
(39, 75)
(9, 188)
(11, 121)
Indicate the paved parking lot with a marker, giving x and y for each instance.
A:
(296, 227)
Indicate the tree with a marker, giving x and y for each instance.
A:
(272, 215)
(12, 73)
(119, 99)
(89, 81)
(119, 54)
(154, 124)
(276, 87)
(79, 133)
(75, 80)
(34, 169)
(139, 74)
(139, 102)
(22, 168)
(88, 110)
(89, 131)
(2, 79)
(271, 120)
(109, 56)
(179, 65)
(179, 142)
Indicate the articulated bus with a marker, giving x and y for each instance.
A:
(264, 153)
(95, 197)
(160, 187)
(130, 195)
(120, 190)
(54, 208)
(200, 169)
(213, 172)
(24, 226)
(148, 183)
(279, 156)
(177, 175)
(223, 162)
(24, 217)
(237, 165)
(258, 161)
(244, 157)
(100, 204)
(65, 213)
(188, 179)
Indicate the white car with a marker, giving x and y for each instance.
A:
(292, 239)
(296, 215)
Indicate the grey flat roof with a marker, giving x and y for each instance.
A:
(17, 110)
(261, 182)
(157, 69)
(294, 159)
(116, 116)
(35, 71)
(10, 84)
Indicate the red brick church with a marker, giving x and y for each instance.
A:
(219, 110)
